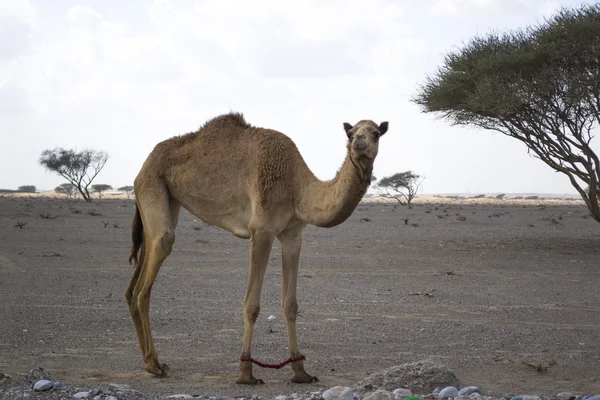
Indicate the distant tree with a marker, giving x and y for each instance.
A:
(66, 188)
(540, 85)
(99, 188)
(501, 196)
(79, 168)
(27, 189)
(402, 187)
(127, 189)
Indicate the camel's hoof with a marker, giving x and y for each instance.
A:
(157, 368)
(249, 380)
(304, 378)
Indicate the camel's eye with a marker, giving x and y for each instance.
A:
(376, 135)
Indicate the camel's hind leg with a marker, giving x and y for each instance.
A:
(159, 215)
(135, 314)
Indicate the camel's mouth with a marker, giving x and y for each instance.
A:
(360, 148)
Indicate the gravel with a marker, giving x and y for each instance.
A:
(48, 388)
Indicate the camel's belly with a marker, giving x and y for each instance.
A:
(232, 216)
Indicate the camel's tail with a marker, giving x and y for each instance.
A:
(137, 236)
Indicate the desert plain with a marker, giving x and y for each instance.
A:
(505, 293)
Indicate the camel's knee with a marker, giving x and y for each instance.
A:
(142, 300)
(167, 240)
(251, 312)
(290, 310)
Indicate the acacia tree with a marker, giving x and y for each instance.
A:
(79, 168)
(99, 188)
(539, 85)
(402, 187)
(27, 189)
(66, 188)
(127, 189)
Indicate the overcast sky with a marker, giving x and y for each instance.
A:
(123, 75)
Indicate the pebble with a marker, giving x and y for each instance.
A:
(81, 395)
(180, 396)
(400, 393)
(437, 390)
(271, 317)
(525, 397)
(597, 397)
(111, 398)
(42, 385)
(282, 398)
(469, 390)
(451, 391)
(58, 385)
(379, 395)
(338, 393)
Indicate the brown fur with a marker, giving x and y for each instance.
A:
(254, 183)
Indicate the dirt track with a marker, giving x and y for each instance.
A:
(505, 287)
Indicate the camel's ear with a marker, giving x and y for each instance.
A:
(347, 128)
(383, 127)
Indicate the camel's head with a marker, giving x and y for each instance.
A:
(363, 138)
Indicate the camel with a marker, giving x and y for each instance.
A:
(254, 183)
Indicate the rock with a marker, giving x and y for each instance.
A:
(400, 393)
(111, 398)
(271, 318)
(469, 390)
(282, 398)
(437, 390)
(597, 397)
(379, 395)
(58, 385)
(419, 377)
(42, 385)
(81, 395)
(449, 391)
(338, 393)
(180, 396)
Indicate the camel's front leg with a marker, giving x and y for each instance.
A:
(291, 243)
(260, 249)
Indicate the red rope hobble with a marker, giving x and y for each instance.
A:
(275, 366)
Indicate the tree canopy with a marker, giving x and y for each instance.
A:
(79, 168)
(540, 85)
(66, 188)
(402, 186)
(27, 189)
(101, 187)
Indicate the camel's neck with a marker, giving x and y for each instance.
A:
(329, 203)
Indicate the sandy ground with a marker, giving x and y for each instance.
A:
(491, 289)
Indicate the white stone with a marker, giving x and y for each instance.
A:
(81, 395)
(449, 391)
(339, 393)
(180, 396)
(42, 385)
